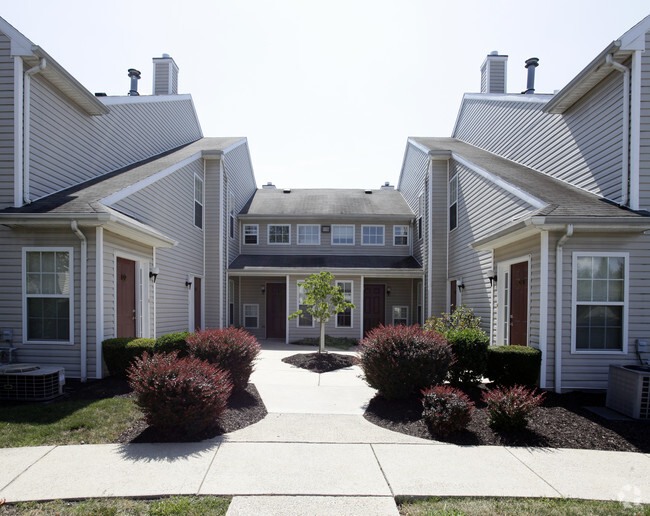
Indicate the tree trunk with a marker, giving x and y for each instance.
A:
(321, 347)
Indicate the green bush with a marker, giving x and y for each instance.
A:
(470, 347)
(509, 408)
(120, 352)
(514, 365)
(173, 342)
(446, 410)
(461, 318)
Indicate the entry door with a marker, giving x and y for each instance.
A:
(453, 290)
(276, 311)
(373, 307)
(198, 323)
(519, 304)
(126, 314)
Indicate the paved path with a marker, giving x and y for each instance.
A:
(315, 454)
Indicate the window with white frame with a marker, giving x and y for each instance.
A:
(344, 319)
(372, 235)
(343, 234)
(400, 315)
(305, 319)
(251, 316)
(453, 202)
(600, 301)
(400, 235)
(251, 232)
(232, 215)
(198, 202)
(231, 302)
(48, 294)
(308, 234)
(279, 233)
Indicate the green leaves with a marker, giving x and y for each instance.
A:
(322, 297)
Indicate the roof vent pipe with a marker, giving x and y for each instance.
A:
(134, 75)
(387, 186)
(531, 64)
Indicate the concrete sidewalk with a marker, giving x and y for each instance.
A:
(302, 459)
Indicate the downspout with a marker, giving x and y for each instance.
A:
(222, 237)
(82, 298)
(635, 129)
(99, 302)
(558, 307)
(625, 173)
(27, 108)
(428, 231)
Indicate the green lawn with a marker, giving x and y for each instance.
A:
(66, 422)
(457, 506)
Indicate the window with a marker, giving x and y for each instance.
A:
(279, 234)
(308, 234)
(344, 319)
(400, 235)
(342, 235)
(305, 319)
(47, 295)
(400, 315)
(232, 215)
(453, 202)
(419, 303)
(250, 234)
(251, 316)
(198, 202)
(372, 235)
(231, 302)
(420, 214)
(600, 298)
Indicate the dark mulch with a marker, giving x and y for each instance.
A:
(562, 422)
(320, 362)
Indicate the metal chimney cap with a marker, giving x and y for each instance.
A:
(134, 73)
(533, 61)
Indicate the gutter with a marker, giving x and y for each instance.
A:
(27, 88)
(558, 307)
(83, 298)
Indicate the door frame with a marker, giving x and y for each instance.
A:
(190, 293)
(503, 272)
(267, 305)
(142, 289)
(363, 295)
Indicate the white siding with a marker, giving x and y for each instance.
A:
(644, 179)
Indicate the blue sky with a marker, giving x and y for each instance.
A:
(327, 92)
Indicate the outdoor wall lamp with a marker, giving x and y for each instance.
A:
(153, 273)
(461, 286)
(263, 289)
(493, 278)
(388, 291)
(188, 281)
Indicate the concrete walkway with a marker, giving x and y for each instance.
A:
(315, 454)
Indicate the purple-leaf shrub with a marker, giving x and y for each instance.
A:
(446, 410)
(509, 408)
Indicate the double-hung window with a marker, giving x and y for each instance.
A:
(453, 202)
(372, 235)
(279, 234)
(400, 315)
(251, 232)
(343, 234)
(48, 301)
(198, 202)
(308, 234)
(600, 302)
(344, 319)
(305, 319)
(251, 316)
(400, 235)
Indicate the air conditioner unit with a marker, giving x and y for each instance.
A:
(31, 382)
(628, 390)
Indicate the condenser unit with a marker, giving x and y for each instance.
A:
(628, 390)
(31, 382)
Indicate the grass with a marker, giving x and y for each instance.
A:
(66, 422)
(344, 343)
(457, 506)
(175, 505)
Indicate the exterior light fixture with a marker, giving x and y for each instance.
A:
(188, 281)
(153, 273)
(461, 286)
(388, 291)
(263, 289)
(493, 278)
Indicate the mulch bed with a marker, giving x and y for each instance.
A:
(320, 362)
(561, 422)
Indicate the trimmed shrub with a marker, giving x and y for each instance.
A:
(461, 318)
(510, 407)
(446, 410)
(180, 397)
(470, 347)
(231, 349)
(120, 352)
(173, 342)
(402, 360)
(514, 365)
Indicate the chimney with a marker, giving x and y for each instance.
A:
(268, 186)
(165, 76)
(387, 186)
(531, 64)
(494, 73)
(135, 75)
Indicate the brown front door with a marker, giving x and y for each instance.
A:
(276, 311)
(198, 324)
(519, 304)
(373, 307)
(453, 286)
(125, 298)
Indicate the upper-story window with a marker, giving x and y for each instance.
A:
(251, 233)
(198, 202)
(372, 235)
(453, 202)
(232, 215)
(343, 234)
(420, 214)
(279, 233)
(308, 234)
(400, 235)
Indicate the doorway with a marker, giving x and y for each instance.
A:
(198, 306)
(374, 309)
(125, 298)
(512, 299)
(276, 311)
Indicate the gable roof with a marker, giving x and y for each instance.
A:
(327, 202)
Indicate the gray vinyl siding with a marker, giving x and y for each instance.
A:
(213, 217)
(438, 234)
(250, 293)
(69, 147)
(412, 184)
(161, 78)
(6, 123)
(583, 146)
(644, 179)
(168, 206)
(497, 76)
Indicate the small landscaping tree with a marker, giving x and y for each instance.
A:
(323, 300)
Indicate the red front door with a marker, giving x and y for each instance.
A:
(373, 307)
(198, 324)
(125, 287)
(276, 311)
(519, 304)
